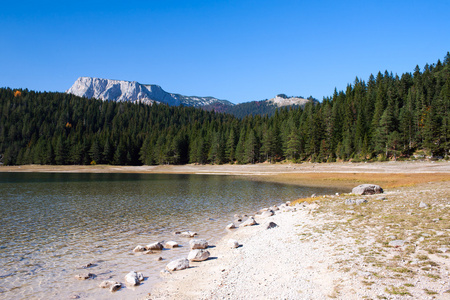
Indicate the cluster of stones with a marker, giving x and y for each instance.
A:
(198, 247)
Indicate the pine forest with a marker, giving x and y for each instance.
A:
(387, 117)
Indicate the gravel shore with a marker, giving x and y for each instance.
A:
(329, 249)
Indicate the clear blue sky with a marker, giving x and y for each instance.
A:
(236, 50)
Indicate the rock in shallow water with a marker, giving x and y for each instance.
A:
(179, 264)
(134, 278)
(139, 248)
(154, 246)
(111, 285)
(188, 233)
(231, 226)
(171, 244)
(84, 276)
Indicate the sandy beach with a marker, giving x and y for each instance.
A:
(390, 246)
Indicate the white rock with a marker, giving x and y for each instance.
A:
(188, 233)
(267, 213)
(139, 248)
(198, 244)
(367, 189)
(249, 222)
(231, 226)
(155, 246)
(423, 205)
(171, 244)
(111, 285)
(178, 264)
(233, 243)
(396, 243)
(198, 255)
(132, 278)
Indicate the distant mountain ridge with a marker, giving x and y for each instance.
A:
(132, 91)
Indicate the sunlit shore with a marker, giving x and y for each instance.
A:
(388, 174)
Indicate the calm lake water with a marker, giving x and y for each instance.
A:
(53, 224)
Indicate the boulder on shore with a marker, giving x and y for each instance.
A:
(198, 244)
(249, 222)
(267, 213)
(367, 189)
(271, 225)
(179, 264)
(198, 255)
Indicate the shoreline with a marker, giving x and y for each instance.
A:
(330, 250)
(387, 174)
(305, 246)
(391, 167)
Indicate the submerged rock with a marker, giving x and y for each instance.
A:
(198, 255)
(367, 189)
(198, 244)
(179, 264)
(84, 276)
(111, 285)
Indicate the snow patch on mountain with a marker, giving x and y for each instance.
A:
(132, 91)
(283, 100)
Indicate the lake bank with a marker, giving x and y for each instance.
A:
(53, 224)
(308, 238)
(389, 247)
(387, 174)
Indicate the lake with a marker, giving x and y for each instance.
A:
(52, 224)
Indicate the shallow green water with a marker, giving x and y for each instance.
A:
(52, 224)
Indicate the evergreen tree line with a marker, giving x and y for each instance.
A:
(386, 117)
